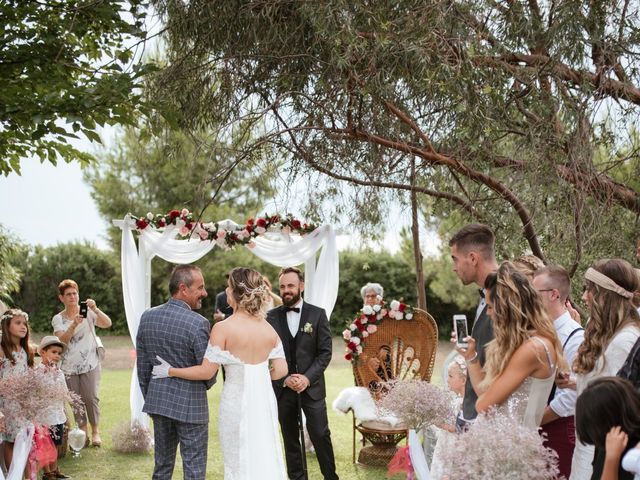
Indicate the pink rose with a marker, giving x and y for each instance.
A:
(365, 334)
(184, 212)
(372, 329)
(203, 234)
(221, 233)
(184, 231)
(346, 335)
(384, 312)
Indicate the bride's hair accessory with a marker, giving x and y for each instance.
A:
(253, 291)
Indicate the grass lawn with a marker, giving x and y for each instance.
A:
(105, 464)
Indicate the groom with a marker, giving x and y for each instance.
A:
(306, 338)
(179, 408)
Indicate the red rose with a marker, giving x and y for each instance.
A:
(351, 345)
(348, 356)
(249, 228)
(295, 224)
(261, 222)
(141, 223)
(372, 318)
(250, 221)
(188, 225)
(402, 307)
(360, 326)
(234, 237)
(162, 223)
(274, 219)
(174, 214)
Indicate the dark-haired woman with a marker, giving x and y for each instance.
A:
(607, 403)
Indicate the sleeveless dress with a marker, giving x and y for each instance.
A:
(248, 419)
(7, 369)
(529, 400)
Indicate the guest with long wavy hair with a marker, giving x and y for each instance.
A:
(612, 330)
(522, 359)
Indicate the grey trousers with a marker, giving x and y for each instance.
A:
(87, 385)
(193, 439)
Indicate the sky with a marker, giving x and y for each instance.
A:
(47, 205)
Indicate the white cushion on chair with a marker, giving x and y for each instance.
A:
(364, 408)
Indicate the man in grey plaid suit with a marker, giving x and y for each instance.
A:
(178, 407)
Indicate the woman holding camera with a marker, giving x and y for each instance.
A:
(75, 326)
(523, 357)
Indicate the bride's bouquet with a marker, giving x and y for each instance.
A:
(417, 403)
(499, 447)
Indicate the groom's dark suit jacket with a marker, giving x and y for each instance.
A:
(309, 352)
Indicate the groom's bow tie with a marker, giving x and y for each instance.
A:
(292, 309)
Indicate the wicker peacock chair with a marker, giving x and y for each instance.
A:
(399, 350)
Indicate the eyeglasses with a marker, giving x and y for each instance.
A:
(545, 290)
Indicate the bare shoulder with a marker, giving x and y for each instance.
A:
(271, 332)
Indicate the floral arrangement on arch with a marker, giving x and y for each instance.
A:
(226, 234)
(366, 321)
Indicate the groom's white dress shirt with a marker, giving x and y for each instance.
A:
(293, 319)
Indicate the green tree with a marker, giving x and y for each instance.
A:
(66, 68)
(10, 276)
(96, 271)
(502, 107)
(157, 173)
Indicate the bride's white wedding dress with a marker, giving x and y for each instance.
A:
(248, 421)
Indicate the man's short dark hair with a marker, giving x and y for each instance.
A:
(295, 270)
(181, 274)
(475, 236)
(558, 278)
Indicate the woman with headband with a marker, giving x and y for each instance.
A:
(609, 336)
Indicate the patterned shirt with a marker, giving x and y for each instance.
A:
(80, 356)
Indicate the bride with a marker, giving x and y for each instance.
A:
(252, 355)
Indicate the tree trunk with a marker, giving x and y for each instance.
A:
(415, 231)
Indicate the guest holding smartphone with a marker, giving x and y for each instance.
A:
(80, 363)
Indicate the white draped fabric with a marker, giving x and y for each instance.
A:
(418, 460)
(321, 276)
(21, 449)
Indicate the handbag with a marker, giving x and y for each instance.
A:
(100, 350)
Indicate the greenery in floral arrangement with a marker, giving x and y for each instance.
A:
(366, 323)
(225, 234)
(131, 437)
(417, 403)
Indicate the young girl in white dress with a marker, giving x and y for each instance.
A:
(252, 354)
(16, 356)
(456, 380)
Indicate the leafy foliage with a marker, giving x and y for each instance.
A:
(519, 115)
(66, 68)
(97, 273)
(9, 275)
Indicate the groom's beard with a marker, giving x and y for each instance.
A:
(290, 299)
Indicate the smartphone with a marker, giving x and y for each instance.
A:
(460, 328)
(83, 309)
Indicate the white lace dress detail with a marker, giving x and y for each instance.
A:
(248, 419)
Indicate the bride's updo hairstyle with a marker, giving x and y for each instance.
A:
(249, 290)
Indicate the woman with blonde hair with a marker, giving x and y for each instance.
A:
(609, 336)
(252, 355)
(522, 358)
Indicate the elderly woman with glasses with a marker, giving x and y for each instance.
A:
(372, 293)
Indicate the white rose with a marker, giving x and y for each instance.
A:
(376, 308)
(367, 310)
(356, 340)
(259, 230)
(365, 334)
(395, 305)
(409, 316)
(150, 216)
(352, 327)
(379, 316)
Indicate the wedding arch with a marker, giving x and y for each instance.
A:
(178, 238)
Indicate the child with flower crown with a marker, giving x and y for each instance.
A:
(455, 382)
(16, 356)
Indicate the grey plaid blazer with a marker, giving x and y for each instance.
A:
(180, 336)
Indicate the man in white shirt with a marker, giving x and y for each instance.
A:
(553, 285)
